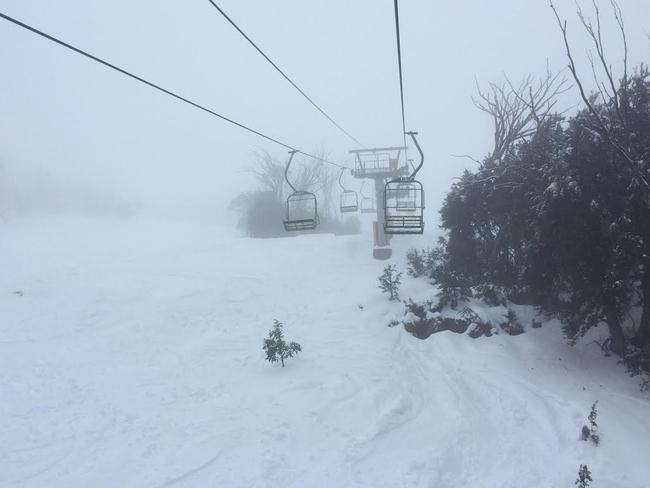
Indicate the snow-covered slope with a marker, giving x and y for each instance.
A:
(130, 356)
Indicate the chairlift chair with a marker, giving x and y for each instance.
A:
(404, 201)
(406, 197)
(349, 198)
(302, 206)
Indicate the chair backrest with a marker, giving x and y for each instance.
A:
(403, 207)
(349, 201)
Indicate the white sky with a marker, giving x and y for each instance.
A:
(66, 119)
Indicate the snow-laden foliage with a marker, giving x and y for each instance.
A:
(562, 220)
(511, 325)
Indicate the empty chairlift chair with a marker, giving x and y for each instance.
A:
(404, 202)
(302, 206)
(349, 198)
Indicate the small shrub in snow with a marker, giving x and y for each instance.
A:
(536, 324)
(584, 477)
(389, 282)
(591, 432)
(511, 324)
(275, 346)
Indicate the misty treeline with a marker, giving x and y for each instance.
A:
(557, 215)
(35, 189)
(261, 211)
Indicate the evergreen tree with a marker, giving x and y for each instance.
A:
(275, 346)
(389, 281)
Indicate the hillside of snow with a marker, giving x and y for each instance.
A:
(131, 356)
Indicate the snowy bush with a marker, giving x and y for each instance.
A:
(275, 346)
(557, 220)
(389, 282)
(584, 477)
(418, 319)
(591, 432)
(511, 324)
(477, 327)
(422, 319)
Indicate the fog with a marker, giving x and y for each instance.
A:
(77, 137)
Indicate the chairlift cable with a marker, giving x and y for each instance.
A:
(399, 64)
(286, 77)
(160, 88)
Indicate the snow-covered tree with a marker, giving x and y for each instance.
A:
(562, 221)
(275, 346)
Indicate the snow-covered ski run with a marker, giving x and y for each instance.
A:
(131, 356)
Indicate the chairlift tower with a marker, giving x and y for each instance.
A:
(380, 164)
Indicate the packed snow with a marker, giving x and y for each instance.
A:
(131, 356)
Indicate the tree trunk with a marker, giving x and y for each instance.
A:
(618, 345)
(643, 334)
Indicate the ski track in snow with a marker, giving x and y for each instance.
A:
(130, 356)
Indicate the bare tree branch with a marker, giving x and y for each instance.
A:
(466, 156)
(517, 111)
(601, 125)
